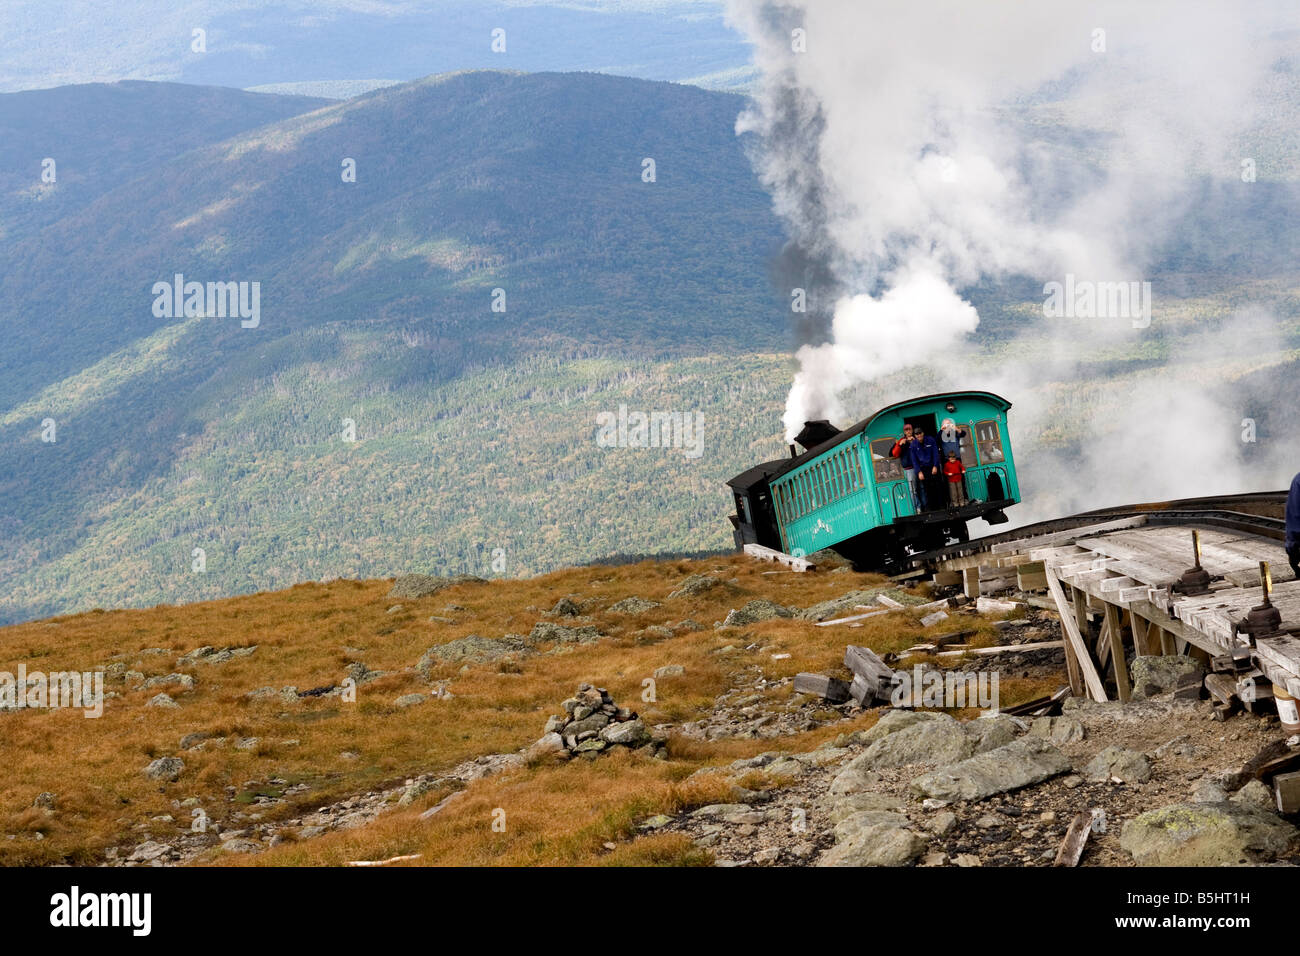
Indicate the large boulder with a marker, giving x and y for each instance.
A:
(167, 769)
(879, 843)
(698, 584)
(1128, 766)
(1058, 730)
(990, 733)
(938, 741)
(469, 650)
(836, 607)
(1156, 674)
(755, 611)
(1021, 763)
(423, 585)
(546, 632)
(1206, 834)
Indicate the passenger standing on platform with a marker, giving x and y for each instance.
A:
(926, 460)
(950, 437)
(954, 469)
(1293, 526)
(902, 450)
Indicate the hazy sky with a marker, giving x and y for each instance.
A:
(251, 43)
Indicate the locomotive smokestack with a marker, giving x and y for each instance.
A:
(793, 452)
(816, 432)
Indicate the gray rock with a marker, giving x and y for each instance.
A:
(184, 681)
(845, 806)
(1206, 834)
(548, 745)
(851, 825)
(1254, 794)
(881, 845)
(247, 743)
(755, 611)
(165, 768)
(415, 791)
(472, 649)
(44, 800)
(565, 608)
(1126, 765)
(1207, 790)
(629, 733)
(633, 605)
(410, 700)
(161, 700)
(242, 846)
(148, 851)
(592, 723)
(1021, 763)
(189, 741)
(698, 584)
(856, 777)
(847, 603)
(1155, 674)
(1057, 730)
(423, 585)
(940, 740)
(990, 733)
(547, 632)
(669, 670)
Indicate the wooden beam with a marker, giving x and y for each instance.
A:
(1076, 836)
(763, 553)
(1123, 685)
(1089, 673)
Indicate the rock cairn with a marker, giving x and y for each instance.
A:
(593, 724)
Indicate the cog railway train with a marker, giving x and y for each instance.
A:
(846, 489)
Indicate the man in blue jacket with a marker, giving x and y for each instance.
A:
(902, 450)
(1293, 526)
(926, 459)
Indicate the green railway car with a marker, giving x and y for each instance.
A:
(847, 489)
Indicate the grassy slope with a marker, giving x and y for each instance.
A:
(307, 634)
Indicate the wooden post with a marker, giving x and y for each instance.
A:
(1070, 625)
(1166, 642)
(1141, 633)
(1123, 685)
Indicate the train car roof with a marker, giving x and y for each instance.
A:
(789, 464)
(761, 472)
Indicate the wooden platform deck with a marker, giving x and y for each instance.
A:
(1119, 573)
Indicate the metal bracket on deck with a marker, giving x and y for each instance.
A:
(1263, 620)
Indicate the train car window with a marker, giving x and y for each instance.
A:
(844, 474)
(968, 446)
(819, 492)
(837, 478)
(855, 480)
(988, 438)
(886, 467)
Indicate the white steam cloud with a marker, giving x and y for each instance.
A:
(918, 149)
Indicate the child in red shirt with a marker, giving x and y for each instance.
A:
(954, 469)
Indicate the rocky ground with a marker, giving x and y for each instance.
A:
(1161, 778)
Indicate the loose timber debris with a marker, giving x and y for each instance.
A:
(1076, 836)
(872, 677)
(827, 688)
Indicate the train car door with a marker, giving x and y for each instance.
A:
(892, 493)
